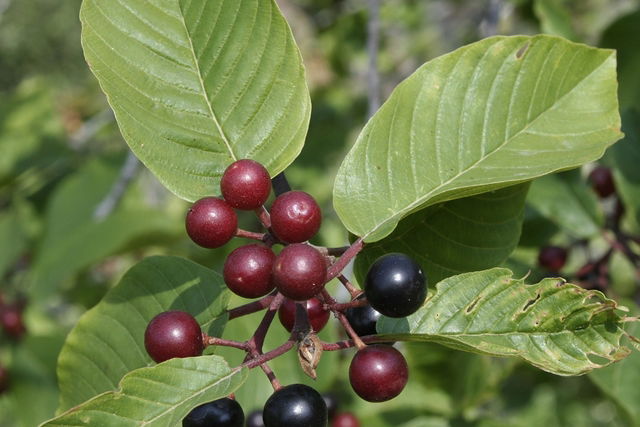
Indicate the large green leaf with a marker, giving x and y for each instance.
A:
(196, 84)
(468, 234)
(494, 113)
(73, 238)
(567, 201)
(108, 341)
(558, 327)
(158, 396)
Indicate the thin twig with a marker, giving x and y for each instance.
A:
(128, 171)
(373, 43)
(251, 307)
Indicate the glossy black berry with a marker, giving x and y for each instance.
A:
(211, 222)
(601, 180)
(245, 184)
(331, 400)
(395, 285)
(299, 272)
(254, 419)
(223, 412)
(295, 405)
(378, 373)
(318, 316)
(173, 334)
(247, 271)
(552, 258)
(295, 217)
(345, 419)
(363, 319)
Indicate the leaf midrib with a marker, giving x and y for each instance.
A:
(420, 200)
(198, 73)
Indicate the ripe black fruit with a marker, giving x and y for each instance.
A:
(295, 405)
(223, 412)
(254, 419)
(395, 285)
(363, 319)
(173, 334)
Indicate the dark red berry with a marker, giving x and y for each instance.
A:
(255, 419)
(345, 419)
(552, 258)
(4, 379)
(363, 319)
(378, 373)
(211, 222)
(173, 334)
(11, 320)
(295, 405)
(245, 184)
(299, 272)
(223, 412)
(247, 271)
(295, 217)
(318, 316)
(395, 285)
(602, 181)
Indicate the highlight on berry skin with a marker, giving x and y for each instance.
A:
(245, 184)
(211, 222)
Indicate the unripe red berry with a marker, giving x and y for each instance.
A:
(11, 320)
(299, 272)
(295, 217)
(345, 419)
(211, 222)
(245, 184)
(318, 316)
(247, 271)
(173, 334)
(552, 258)
(378, 373)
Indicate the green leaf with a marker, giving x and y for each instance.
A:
(554, 18)
(624, 159)
(558, 327)
(469, 234)
(108, 341)
(622, 36)
(13, 239)
(567, 201)
(621, 380)
(491, 114)
(74, 238)
(195, 84)
(157, 396)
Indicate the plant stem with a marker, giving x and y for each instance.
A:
(263, 216)
(280, 184)
(251, 307)
(208, 341)
(250, 235)
(343, 320)
(256, 341)
(263, 358)
(353, 291)
(336, 268)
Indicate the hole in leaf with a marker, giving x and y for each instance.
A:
(520, 53)
(473, 305)
(531, 302)
(598, 359)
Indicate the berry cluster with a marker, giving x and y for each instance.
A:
(594, 274)
(291, 282)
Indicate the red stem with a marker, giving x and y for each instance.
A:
(336, 268)
(343, 320)
(251, 307)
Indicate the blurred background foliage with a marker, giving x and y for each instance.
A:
(62, 246)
